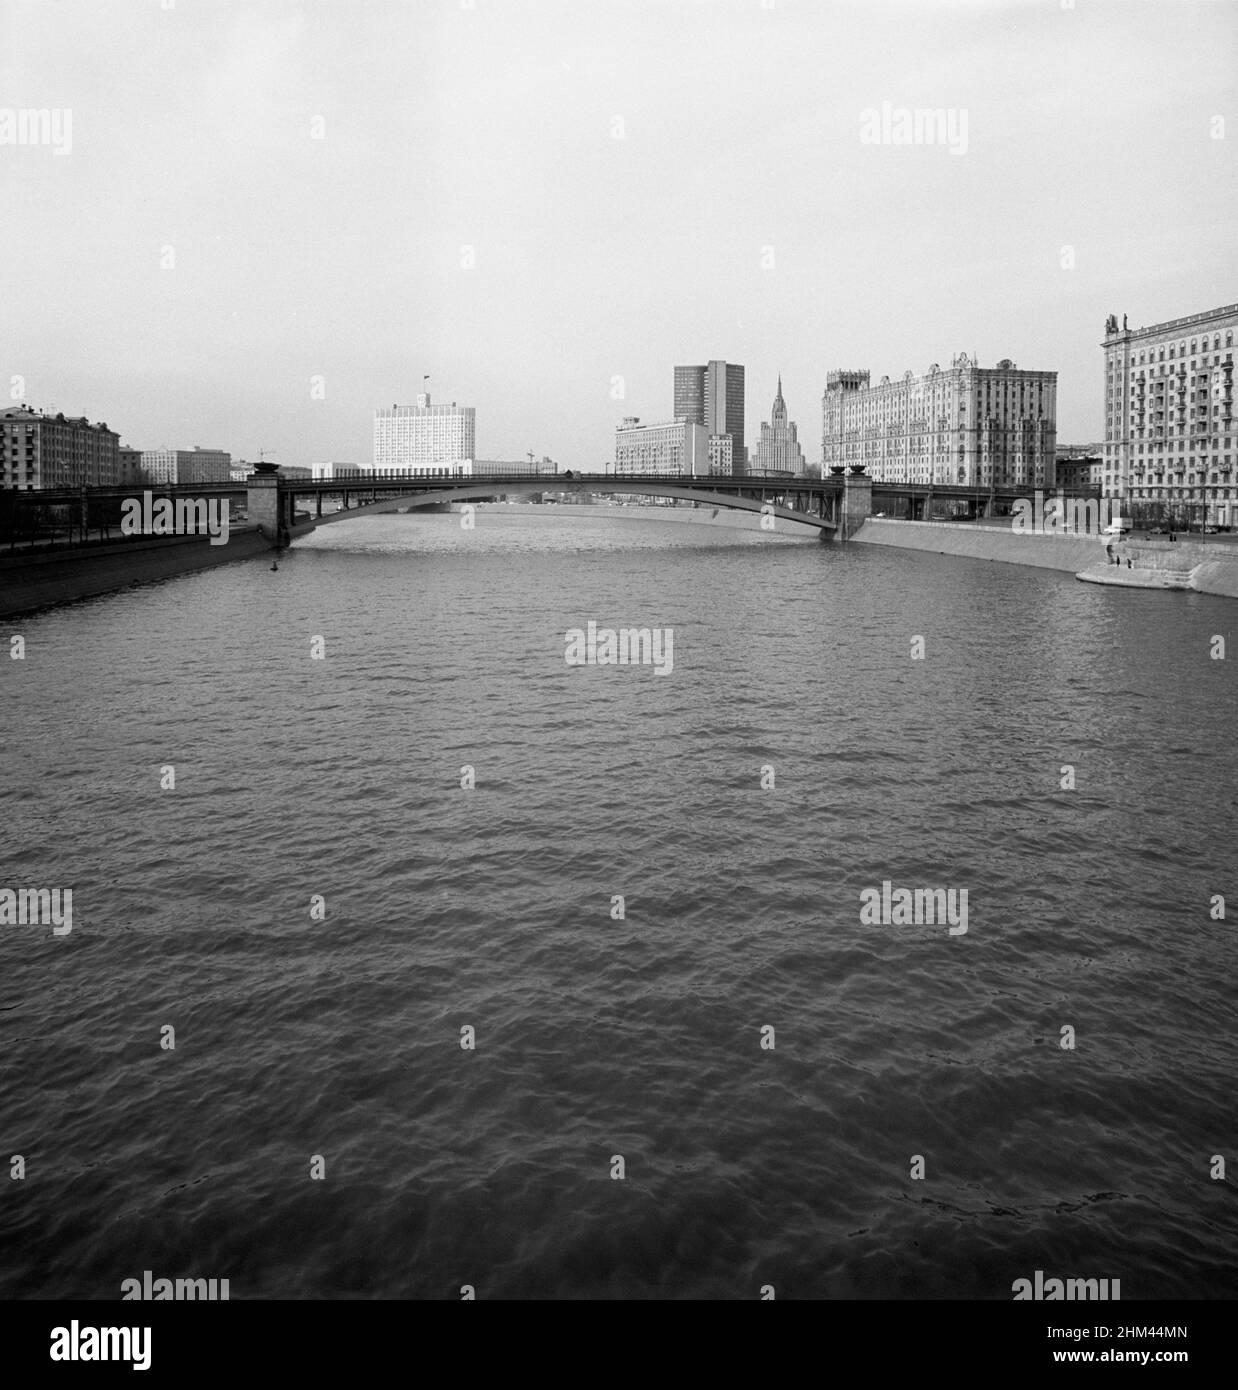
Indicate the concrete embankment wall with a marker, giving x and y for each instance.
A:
(33, 581)
(1207, 569)
(1180, 556)
(1216, 577)
(1054, 552)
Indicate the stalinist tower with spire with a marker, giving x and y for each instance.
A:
(779, 449)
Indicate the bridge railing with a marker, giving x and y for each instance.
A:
(614, 482)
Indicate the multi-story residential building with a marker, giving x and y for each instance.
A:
(1169, 416)
(196, 465)
(778, 450)
(159, 465)
(129, 467)
(722, 455)
(1079, 466)
(1079, 474)
(984, 426)
(55, 451)
(200, 465)
(713, 396)
(408, 439)
(670, 446)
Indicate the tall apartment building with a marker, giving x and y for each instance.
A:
(671, 446)
(55, 451)
(409, 439)
(713, 396)
(983, 426)
(1169, 416)
(196, 465)
(778, 450)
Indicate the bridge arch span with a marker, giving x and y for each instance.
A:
(460, 490)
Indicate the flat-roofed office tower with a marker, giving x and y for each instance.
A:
(713, 396)
(410, 438)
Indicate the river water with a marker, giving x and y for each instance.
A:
(329, 1039)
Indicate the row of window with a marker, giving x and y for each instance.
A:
(1152, 355)
(1219, 494)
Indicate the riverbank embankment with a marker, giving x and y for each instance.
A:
(30, 581)
(1155, 564)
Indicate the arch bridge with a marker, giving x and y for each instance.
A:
(812, 502)
(836, 506)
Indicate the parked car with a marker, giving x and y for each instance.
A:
(1117, 527)
(1158, 531)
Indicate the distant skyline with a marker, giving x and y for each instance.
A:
(274, 218)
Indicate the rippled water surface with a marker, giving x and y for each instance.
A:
(598, 1037)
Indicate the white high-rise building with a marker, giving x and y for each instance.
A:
(425, 437)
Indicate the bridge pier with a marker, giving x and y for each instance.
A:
(269, 505)
(857, 504)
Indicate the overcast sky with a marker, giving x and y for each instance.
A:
(641, 183)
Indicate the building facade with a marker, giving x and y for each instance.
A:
(55, 451)
(1078, 474)
(1169, 446)
(180, 466)
(713, 396)
(721, 455)
(129, 467)
(982, 426)
(524, 467)
(670, 446)
(1080, 466)
(408, 439)
(325, 472)
(461, 468)
(778, 450)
